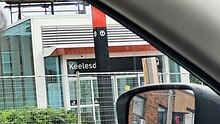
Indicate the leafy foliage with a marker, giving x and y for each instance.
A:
(37, 116)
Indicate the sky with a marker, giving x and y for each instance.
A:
(7, 14)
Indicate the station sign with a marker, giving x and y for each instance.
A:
(119, 64)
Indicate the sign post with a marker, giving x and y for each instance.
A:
(103, 65)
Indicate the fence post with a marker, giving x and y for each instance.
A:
(78, 96)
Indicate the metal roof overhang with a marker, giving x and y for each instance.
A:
(60, 50)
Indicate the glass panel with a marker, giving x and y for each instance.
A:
(52, 65)
(125, 84)
(85, 92)
(174, 68)
(6, 57)
(72, 89)
(138, 106)
(54, 83)
(18, 92)
(15, 55)
(162, 114)
(97, 113)
(27, 64)
(189, 117)
(2, 104)
(6, 69)
(87, 115)
(27, 55)
(17, 60)
(95, 90)
(54, 92)
(16, 70)
(8, 93)
(29, 92)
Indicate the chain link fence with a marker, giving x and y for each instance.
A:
(99, 92)
(92, 96)
(17, 92)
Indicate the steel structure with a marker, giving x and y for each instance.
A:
(33, 1)
(48, 6)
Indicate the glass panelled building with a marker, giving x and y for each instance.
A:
(16, 59)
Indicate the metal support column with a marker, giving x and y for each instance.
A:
(11, 13)
(19, 11)
(52, 8)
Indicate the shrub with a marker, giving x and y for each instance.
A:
(39, 116)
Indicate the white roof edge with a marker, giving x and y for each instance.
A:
(16, 23)
(109, 20)
(44, 17)
(58, 16)
(48, 51)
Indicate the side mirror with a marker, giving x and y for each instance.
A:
(169, 104)
(162, 107)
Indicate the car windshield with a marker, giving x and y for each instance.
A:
(67, 62)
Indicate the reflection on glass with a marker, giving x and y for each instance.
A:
(138, 106)
(162, 107)
(162, 114)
